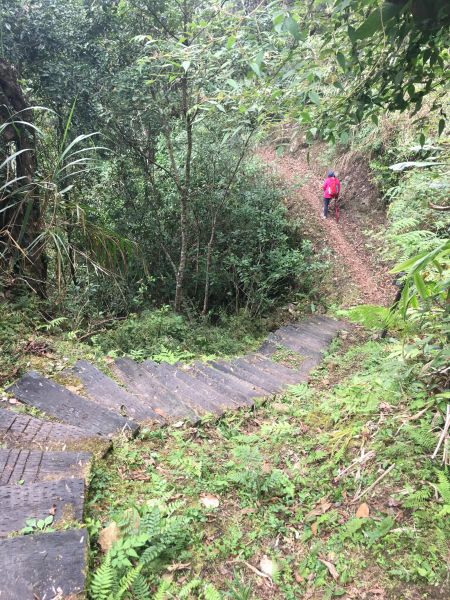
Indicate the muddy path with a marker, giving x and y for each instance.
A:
(357, 271)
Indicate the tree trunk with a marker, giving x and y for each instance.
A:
(20, 225)
(208, 265)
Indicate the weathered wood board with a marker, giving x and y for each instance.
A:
(44, 566)
(37, 500)
(61, 403)
(105, 391)
(29, 466)
(19, 430)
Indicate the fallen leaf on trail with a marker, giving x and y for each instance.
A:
(52, 510)
(178, 424)
(178, 567)
(331, 568)
(13, 401)
(320, 509)
(314, 527)
(108, 536)
(248, 511)
(268, 566)
(298, 578)
(363, 511)
(74, 388)
(279, 407)
(139, 475)
(209, 501)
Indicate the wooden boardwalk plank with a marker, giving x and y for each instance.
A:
(31, 466)
(34, 501)
(105, 391)
(19, 430)
(244, 375)
(161, 375)
(61, 403)
(198, 394)
(271, 382)
(245, 387)
(239, 397)
(163, 401)
(45, 566)
(328, 324)
(227, 385)
(294, 343)
(289, 375)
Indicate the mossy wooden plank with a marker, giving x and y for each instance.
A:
(105, 391)
(19, 430)
(64, 498)
(29, 466)
(44, 566)
(218, 383)
(150, 390)
(61, 403)
(197, 394)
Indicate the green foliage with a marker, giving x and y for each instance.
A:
(38, 525)
(136, 558)
(163, 335)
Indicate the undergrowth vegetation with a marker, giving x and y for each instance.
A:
(331, 485)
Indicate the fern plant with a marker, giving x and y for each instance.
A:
(131, 567)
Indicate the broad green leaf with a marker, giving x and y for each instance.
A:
(293, 28)
(231, 42)
(341, 60)
(378, 19)
(420, 285)
(314, 97)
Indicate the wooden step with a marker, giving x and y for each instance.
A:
(44, 566)
(228, 385)
(327, 323)
(105, 391)
(245, 387)
(19, 430)
(207, 398)
(29, 466)
(244, 375)
(310, 332)
(35, 501)
(59, 402)
(289, 375)
(270, 382)
(163, 401)
(293, 343)
(240, 398)
(178, 389)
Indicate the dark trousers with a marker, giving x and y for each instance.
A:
(326, 205)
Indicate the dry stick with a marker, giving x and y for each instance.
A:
(370, 488)
(358, 461)
(444, 432)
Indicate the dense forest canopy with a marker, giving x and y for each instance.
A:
(130, 176)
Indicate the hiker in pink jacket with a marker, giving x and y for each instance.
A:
(331, 188)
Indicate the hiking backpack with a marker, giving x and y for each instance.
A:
(332, 188)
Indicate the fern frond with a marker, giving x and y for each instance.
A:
(140, 588)
(126, 582)
(162, 590)
(210, 593)
(103, 581)
(443, 486)
(188, 588)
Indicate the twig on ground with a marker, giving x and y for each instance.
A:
(443, 434)
(360, 460)
(370, 488)
(252, 568)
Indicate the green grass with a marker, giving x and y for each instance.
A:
(276, 472)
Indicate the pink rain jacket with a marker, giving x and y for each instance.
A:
(326, 183)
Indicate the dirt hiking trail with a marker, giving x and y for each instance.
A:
(356, 264)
